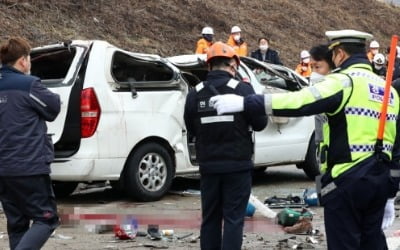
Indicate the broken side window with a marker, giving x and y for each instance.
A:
(52, 66)
(126, 70)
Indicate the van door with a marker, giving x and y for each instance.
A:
(61, 68)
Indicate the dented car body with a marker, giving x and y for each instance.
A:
(285, 140)
(121, 118)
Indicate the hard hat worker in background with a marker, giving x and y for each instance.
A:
(224, 149)
(379, 65)
(236, 41)
(373, 50)
(304, 67)
(357, 186)
(204, 43)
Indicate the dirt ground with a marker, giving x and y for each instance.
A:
(260, 232)
(89, 216)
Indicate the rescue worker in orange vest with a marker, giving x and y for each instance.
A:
(373, 50)
(236, 41)
(204, 43)
(304, 67)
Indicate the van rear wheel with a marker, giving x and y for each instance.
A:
(149, 173)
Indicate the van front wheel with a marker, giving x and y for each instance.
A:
(149, 173)
(310, 166)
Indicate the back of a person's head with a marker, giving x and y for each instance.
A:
(219, 62)
(13, 49)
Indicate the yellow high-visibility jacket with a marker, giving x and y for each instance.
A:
(352, 101)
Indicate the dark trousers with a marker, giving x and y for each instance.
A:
(26, 199)
(354, 210)
(224, 198)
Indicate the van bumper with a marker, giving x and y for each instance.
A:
(82, 170)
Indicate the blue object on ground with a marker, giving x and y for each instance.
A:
(250, 210)
(310, 197)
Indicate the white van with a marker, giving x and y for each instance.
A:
(121, 119)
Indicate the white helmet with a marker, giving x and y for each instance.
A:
(235, 29)
(304, 54)
(207, 30)
(379, 59)
(374, 44)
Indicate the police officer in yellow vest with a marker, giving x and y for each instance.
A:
(356, 185)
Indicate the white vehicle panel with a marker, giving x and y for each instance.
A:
(55, 128)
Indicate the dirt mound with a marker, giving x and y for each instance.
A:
(170, 27)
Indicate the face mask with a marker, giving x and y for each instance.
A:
(236, 38)
(208, 37)
(378, 67)
(263, 47)
(316, 77)
(304, 68)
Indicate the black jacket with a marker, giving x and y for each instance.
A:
(396, 72)
(271, 56)
(25, 106)
(221, 147)
(380, 72)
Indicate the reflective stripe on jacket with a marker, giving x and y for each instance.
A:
(352, 101)
(223, 143)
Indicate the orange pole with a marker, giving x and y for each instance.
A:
(389, 76)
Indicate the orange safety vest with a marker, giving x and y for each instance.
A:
(241, 49)
(305, 73)
(370, 56)
(202, 46)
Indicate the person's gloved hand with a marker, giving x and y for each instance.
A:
(389, 215)
(228, 103)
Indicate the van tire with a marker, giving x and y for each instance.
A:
(63, 189)
(310, 165)
(149, 173)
